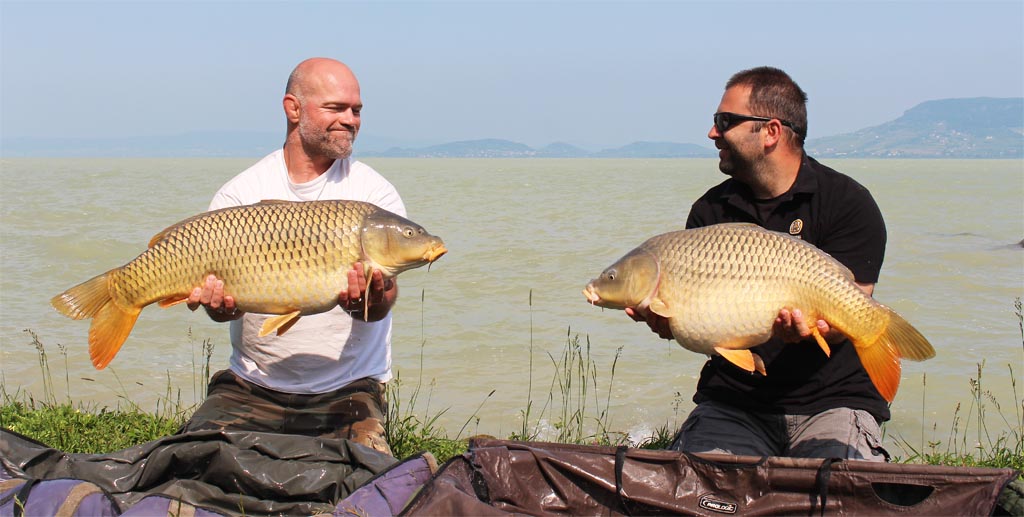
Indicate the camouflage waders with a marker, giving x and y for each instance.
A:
(355, 412)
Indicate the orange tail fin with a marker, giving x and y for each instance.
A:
(111, 324)
(882, 362)
(907, 340)
(110, 328)
(881, 359)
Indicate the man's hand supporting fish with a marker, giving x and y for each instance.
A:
(382, 293)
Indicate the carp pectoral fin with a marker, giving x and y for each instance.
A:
(110, 328)
(744, 359)
(366, 295)
(280, 323)
(821, 341)
(659, 307)
(170, 302)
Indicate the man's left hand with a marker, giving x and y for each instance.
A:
(381, 293)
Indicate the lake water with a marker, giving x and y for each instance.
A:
(524, 237)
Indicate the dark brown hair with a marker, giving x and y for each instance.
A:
(774, 94)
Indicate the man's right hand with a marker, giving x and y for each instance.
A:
(659, 324)
(211, 296)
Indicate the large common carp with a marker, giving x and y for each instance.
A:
(721, 288)
(275, 257)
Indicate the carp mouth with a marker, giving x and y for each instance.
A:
(591, 294)
(435, 253)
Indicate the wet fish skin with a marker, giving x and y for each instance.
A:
(722, 286)
(275, 257)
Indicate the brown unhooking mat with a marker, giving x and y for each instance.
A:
(498, 477)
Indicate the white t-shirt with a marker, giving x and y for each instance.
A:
(322, 352)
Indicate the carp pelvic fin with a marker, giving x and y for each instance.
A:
(172, 301)
(280, 323)
(744, 359)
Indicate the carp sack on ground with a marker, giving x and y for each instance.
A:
(275, 257)
(722, 286)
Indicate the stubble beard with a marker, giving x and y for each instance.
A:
(331, 144)
(736, 165)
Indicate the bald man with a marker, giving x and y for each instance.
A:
(324, 377)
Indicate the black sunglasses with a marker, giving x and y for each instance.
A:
(725, 120)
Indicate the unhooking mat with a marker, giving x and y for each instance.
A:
(228, 472)
(498, 477)
(208, 473)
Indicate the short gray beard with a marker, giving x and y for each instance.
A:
(317, 142)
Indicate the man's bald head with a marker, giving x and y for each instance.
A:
(319, 74)
(322, 105)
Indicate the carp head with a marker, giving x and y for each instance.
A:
(629, 282)
(392, 243)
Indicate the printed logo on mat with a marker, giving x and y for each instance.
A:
(708, 502)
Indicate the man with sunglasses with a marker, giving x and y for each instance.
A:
(809, 404)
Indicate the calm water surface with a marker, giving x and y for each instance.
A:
(524, 237)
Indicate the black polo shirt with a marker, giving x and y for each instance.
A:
(838, 215)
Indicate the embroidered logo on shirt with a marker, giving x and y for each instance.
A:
(796, 227)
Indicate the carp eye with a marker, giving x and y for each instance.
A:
(409, 232)
(610, 274)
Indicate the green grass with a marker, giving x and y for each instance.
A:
(971, 442)
(575, 410)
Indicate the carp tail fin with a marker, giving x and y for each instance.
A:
(111, 323)
(881, 357)
(109, 330)
(910, 343)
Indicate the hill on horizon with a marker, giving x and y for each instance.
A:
(981, 127)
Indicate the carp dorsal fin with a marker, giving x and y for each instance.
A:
(742, 225)
(163, 233)
(281, 323)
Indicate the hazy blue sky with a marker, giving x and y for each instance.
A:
(587, 73)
